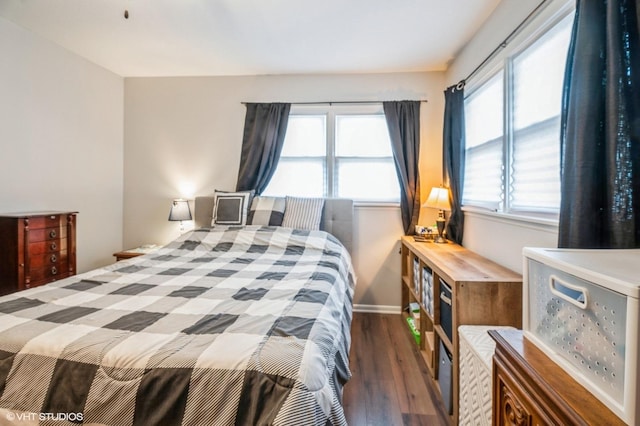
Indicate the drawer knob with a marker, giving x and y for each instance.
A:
(54, 258)
(53, 217)
(53, 234)
(54, 270)
(54, 246)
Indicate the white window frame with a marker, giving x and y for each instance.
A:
(503, 63)
(330, 111)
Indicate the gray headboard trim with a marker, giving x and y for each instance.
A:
(337, 217)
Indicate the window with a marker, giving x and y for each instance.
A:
(513, 130)
(484, 138)
(337, 151)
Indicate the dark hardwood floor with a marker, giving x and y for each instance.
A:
(390, 385)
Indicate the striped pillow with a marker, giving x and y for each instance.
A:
(303, 213)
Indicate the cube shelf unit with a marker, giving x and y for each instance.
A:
(482, 293)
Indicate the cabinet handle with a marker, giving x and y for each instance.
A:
(54, 258)
(53, 234)
(54, 246)
(54, 270)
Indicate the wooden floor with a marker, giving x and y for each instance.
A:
(390, 385)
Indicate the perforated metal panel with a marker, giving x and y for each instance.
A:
(582, 322)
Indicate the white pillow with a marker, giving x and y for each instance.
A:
(303, 213)
(230, 208)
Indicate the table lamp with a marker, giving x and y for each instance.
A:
(180, 211)
(439, 199)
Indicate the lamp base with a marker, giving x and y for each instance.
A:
(440, 222)
(440, 240)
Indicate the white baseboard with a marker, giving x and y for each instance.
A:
(377, 309)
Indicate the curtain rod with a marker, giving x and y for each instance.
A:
(504, 43)
(339, 102)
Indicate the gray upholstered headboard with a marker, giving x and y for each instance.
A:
(337, 217)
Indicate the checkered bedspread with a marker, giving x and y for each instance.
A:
(222, 326)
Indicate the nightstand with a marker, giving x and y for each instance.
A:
(135, 252)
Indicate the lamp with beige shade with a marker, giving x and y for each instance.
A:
(439, 199)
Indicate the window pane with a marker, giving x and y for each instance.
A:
(537, 101)
(297, 177)
(483, 175)
(362, 136)
(484, 113)
(536, 168)
(306, 136)
(370, 180)
(538, 76)
(484, 145)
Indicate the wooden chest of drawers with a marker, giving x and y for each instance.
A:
(36, 248)
(530, 389)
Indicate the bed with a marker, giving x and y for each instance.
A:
(229, 325)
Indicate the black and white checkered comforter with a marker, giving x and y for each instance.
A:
(223, 326)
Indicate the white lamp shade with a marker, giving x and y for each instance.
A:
(438, 199)
(180, 210)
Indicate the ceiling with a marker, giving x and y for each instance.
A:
(254, 37)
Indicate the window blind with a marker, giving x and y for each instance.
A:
(538, 74)
(484, 140)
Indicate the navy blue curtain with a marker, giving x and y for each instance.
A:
(403, 121)
(600, 128)
(265, 126)
(453, 142)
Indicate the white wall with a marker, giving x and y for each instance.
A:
(500, 238)
(183, 138)
(504, 19)
(61, 139)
